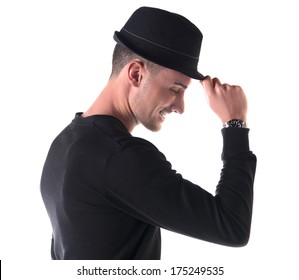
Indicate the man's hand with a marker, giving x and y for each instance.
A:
(228, 102)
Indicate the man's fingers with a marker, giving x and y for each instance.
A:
(210, 83)
(211, 86)
(214, 85)
(216, 81)
(207, 83)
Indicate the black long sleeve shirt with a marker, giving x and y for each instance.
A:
(108, 193)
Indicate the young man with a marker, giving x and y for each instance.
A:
(108, 193)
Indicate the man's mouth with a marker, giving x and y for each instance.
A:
(162, 114)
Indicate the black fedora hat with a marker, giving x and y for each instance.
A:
(165, 38)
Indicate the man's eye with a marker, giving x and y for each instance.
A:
(175, 91)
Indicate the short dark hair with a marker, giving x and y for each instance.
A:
(122, 56)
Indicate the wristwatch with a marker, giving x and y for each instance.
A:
(235, 123)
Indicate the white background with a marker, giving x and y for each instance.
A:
(55, 57)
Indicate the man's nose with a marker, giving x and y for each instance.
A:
(179, 104)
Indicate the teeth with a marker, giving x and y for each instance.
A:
(163, 114)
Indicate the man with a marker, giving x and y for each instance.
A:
(108, 193)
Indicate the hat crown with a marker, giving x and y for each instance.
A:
(166, 29)
(165, 38)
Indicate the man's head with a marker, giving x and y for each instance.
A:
(156, 56)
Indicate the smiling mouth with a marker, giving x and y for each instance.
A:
(162, 114)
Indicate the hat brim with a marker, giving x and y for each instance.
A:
(155, 54)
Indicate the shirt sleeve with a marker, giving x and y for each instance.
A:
(141, 182)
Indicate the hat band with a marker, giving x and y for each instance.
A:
(161, 46)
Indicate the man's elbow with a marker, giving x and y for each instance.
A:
(240, 239)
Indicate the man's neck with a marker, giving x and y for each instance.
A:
(114, 101)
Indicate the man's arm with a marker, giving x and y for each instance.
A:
(141, 182)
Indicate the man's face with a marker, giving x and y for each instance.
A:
(159, 95)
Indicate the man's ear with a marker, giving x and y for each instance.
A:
(135, 73)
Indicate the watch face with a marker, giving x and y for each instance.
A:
(235, 123)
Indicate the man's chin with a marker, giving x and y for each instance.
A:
(153, 127)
